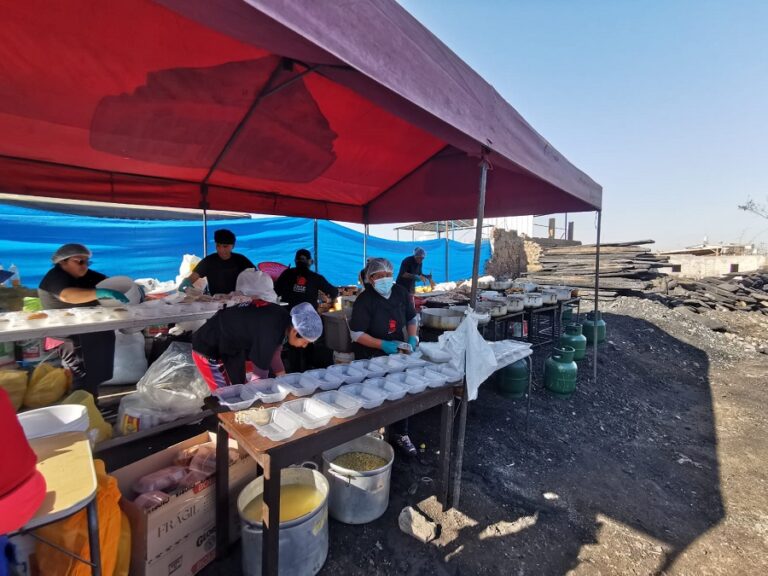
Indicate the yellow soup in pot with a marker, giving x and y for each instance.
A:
(296, 500)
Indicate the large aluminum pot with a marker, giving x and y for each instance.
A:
(441, 318)
(483, 317)
(358, 497)
(562, 292)
(532, 300)
(501, 284)
(525, 285)
(548, 296)
(515, 303)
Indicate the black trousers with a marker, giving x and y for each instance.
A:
(90, 357)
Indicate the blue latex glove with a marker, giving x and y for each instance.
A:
(414, 342)
(389, 347)
(107, 294)
(185, 285)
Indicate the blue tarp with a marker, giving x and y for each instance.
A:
(154, 248)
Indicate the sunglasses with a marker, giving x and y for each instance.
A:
(81, 261)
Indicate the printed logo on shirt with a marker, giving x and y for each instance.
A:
(301, 285)
(392, 326)
(259, 303)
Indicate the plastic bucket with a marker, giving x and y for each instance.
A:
(303, 541)
(122, 284)
(54, 420)
(358, 497)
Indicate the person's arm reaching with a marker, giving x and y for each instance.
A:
(328, 289)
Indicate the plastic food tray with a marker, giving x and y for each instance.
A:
(374, 370)
(430, 378)
(415, 383)
(348, 374)
(308, 411)
(322, 379)
(396, 363)
(294, 384)
(413, 360)
(392, 389)
(370, 396)
(282, 424)
(235, 397)
(450, 373)
(341, 405)
(433, 352)
(268, 390)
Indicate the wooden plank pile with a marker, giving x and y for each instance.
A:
(625, 267)
(745, 292)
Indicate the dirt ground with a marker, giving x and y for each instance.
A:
(657, 468)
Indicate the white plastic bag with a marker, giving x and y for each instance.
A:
(471, 353)
(173, 383)
(130, 362)
(256, 284)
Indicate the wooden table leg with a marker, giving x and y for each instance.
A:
(93, 537)
(270, 555)
(222, 492)
(446, 437)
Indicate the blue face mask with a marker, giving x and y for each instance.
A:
(384, 286)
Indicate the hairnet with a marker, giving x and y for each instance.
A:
(419, 252)
(69, 250)
(307, 321)
(377, 265)
(252, 282)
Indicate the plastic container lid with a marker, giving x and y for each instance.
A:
(413, 360)
(429, 377)
(374, 370)
(268, 390)
(296, 385)
(369, 396)
(54, 420)
(392, 389)
(348, 374)
(234, 397)
(341, 405)
(396, 363)
(310, 412)
(322, 378)
(282, 424)
(450, 373)
(414, 382)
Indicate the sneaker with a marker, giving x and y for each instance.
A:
(403, 443)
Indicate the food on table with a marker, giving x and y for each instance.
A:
(359, 461)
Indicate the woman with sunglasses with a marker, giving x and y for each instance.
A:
(71, 283)
(255, 331)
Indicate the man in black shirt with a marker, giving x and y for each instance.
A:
(70, 283)
(410, 271)
(300, 284)
(222, 268)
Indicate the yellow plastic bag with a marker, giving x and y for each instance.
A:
(72, 534)
(39, 372)
(47, 390)
(98, 429)
(15, 383)
(123, 562)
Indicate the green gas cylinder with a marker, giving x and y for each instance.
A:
(560, 371)
(567, 316)
(575, 339)
(512, 380)
(594, 319)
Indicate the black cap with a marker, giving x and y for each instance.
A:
(224, 236)
(305, 253)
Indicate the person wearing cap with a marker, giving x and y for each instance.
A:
(383, 318)
(71, 283)
(221, 268)
(300, 284)
(255, 331)
(410, 271)
(22, 486)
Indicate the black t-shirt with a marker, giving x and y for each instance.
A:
(249, 331)
(297, 285)
(410, 266)
(222, 274)
(382, 318)
(57, 279)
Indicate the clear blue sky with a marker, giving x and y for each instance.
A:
(664, 103)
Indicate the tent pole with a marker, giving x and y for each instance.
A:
(456, 492)
(447, 248)
(365, 245)
(204, 206)
(597, 290)
(315, 252)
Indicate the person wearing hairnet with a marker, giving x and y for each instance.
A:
(410, 271)
(221, 268)
(71, 283)
(300, 284)
(255, 332)
(383, 317)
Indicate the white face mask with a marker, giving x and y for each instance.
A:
(384, 286)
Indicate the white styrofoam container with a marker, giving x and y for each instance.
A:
(54, 420)
(267, 390)
(234, 397)
(308, 411)
(369, 396)
(342, 405)
(296, 386)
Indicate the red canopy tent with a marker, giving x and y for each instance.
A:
(336, 110)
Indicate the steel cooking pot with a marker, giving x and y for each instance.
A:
(562, 292)
(525, 285)
(548, 296)
(532, 300)
(441, 318)
(515, 303)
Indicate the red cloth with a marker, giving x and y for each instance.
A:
(22, 487)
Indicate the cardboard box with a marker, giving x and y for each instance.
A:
(185, 558)
(192, 513)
